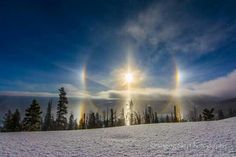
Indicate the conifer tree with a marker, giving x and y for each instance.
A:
(112, 117)
(7, 121)
(62, 110)
(171, 117)
(167, 119)
(230, 112)
(122, 117)
(76, 125)
(131, 114)
(200, 117)
(82, 122)
(115, 118)
(16, 125)
(155, 117)
(91, 120)
(194, 116)
(104, 118)
(137, 118)
(71, 122)
(48, 121)
(161, 119)
(32, 120)
(97, 121)
(208, 114)
(53, 126)
(175, 114)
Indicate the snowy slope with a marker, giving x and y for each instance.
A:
(215, 138)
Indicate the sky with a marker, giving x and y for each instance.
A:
(85, 45)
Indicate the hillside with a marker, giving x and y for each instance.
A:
(214, 138)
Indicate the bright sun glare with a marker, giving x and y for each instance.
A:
(128, 77)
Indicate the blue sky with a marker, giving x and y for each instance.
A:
(47, 44)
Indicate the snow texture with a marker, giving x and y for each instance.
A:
(214, 138)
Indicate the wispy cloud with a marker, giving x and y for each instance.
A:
(27, 93)
(169, 27)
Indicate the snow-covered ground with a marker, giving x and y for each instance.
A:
(215, 138)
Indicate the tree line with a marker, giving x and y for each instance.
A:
(112, 118)
(33, 120)
(210, 114)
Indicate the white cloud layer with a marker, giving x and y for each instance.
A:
(224, 86)
(27, 93)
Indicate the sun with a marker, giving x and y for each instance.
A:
(128, 77)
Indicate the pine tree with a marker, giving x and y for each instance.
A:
(230, 112)
(155, 117)
(54, 124)
(171, 117)
(62, 110)
(156, 120)
(200, 117)
(167, 119)
(71, 122)
(194, 118)
(115, 118)
(148, 114)
(7, 121)
(32, 120)
(104, 118)
(97, 120)
(131, 114)
(161, 119)
(16, 126)
(91, 121)
(112, 117)
(122, 117)
(107, 121)
(48, 121)
(208, 114)
(137, 118)
(82, 122)
(76, 125)
(175, 114)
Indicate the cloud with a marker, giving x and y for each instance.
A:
(142, 92)
(27, 93)
(70, 89)
(169, 27)
(146, 93)
(222, 87)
